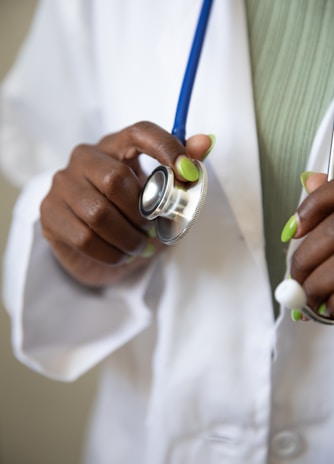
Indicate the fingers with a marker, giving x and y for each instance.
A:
(92, 207)
(317, 247)
(91, 212)
(103, 218)
(146, 137)
(199, 146)
(104, 179)
(312, 264)
(318, 205)
(319, 286)
(313, 180)
(76, 235)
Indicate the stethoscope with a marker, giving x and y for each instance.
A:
(175, 206)
(290, 293)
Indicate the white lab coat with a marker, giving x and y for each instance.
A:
(194, 367)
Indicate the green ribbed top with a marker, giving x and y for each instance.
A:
(292, 55)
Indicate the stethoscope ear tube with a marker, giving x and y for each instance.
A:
(179, 126)
(175, 206)
(290, 293)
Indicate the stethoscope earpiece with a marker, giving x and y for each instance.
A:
(291, 295)
(173, 205)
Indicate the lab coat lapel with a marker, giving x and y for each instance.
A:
(318, 159)
(222, 101)
(235, 158)
(240, 170)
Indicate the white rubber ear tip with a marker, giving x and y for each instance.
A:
(291, 294)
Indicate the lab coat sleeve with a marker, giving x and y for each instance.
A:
(61, 328)
(49, 104)
(49, 98)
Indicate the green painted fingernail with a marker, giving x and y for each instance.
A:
(187, 169)
(296, 315)
(152, 232)
(289, 229)
(304, 177)
(148, 251)
(322, 310)
(212, 137)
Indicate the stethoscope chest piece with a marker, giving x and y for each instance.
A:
(173, 205)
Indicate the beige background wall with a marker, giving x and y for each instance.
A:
(41, 421)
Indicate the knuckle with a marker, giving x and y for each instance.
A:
(139, 127)
(154, 140)
(104, 140)
(83, 239)
(116, 182)
(96, 211)
(140, 131)
(59, 179)
(79, 151)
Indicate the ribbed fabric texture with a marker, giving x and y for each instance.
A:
(292, 55)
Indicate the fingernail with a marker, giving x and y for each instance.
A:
(152, 232)
(322, 310)
(148, 251)
(304, 177)
(296, 315)
(289, 229)
(212, 137)
(187, 169)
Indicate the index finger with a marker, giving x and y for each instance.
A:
(149, 138)
(315, 208)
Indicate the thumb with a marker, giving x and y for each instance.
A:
(312, 180)
(308, 213)
(200, 145)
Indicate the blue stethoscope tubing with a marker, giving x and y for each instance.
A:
(173, 207)
(179, 127)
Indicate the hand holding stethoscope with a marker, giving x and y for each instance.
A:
(91, 217)
(310, 288)
(175, 206)
(309, 292)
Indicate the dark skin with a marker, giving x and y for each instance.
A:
(90, 215)
(313, 262)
